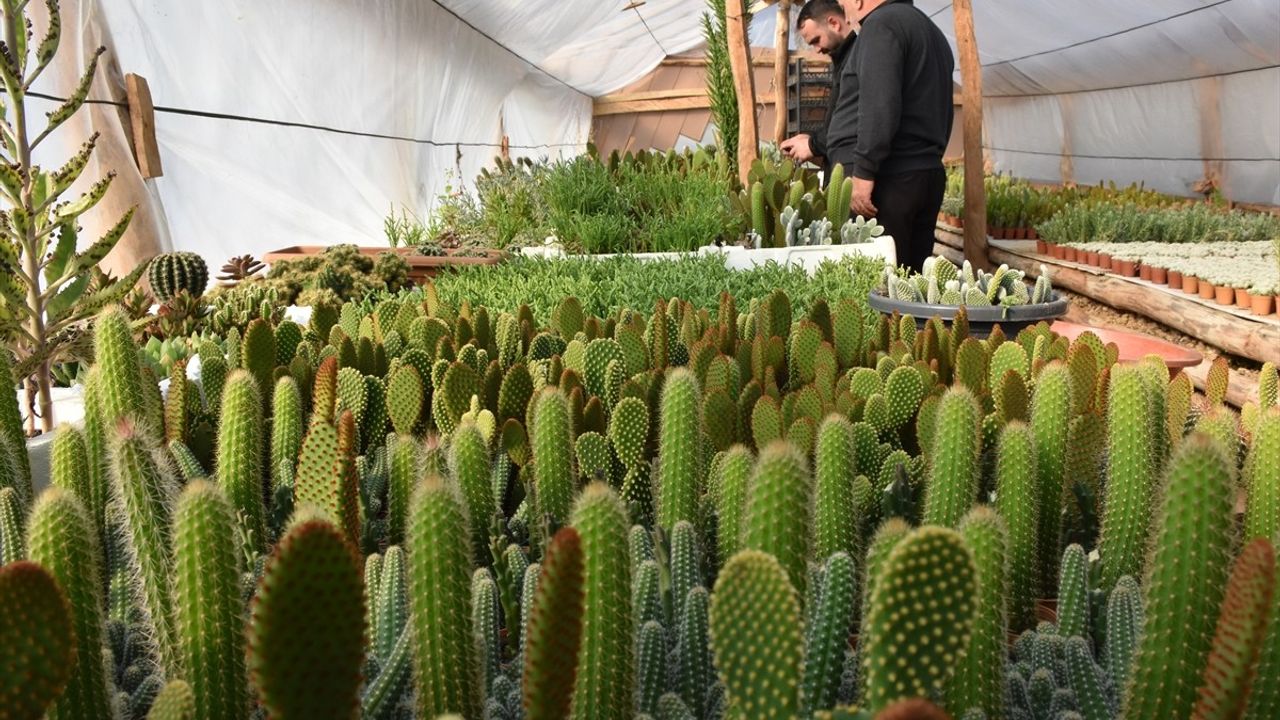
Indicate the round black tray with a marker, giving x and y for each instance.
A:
(981, 319)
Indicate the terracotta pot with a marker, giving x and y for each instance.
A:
(1070, 254)
(1207, 290)
(1159, 275)
(1127, 268)
(1190, 284)
(1104, 261)
(1175, 279)
(1042, 247)
(1093, 259)
(1020, 234)
(1032, 234)
(1242, 298)
(1144, 272)
(1261, 304)
(1225, 295)
(1058, 252)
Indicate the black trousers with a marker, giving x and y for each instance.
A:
(907, 206)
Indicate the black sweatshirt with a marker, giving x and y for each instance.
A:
(898, 80)
(840, 133)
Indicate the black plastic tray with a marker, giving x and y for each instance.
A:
(981, 319)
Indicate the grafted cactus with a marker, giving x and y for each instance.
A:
(37, 639)
(604, 685)
(778, 506)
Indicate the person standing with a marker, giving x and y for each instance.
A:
(823, 26)
(900, 81)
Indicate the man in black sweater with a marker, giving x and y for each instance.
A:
(823, 26)
(900, 83)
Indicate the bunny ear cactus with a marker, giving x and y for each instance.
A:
(778, 510)
(920, 617)
(755, 634)
(953, 466)
(312, 580)
(326, 473)
(555, 630)
(404, 399)
(37, 639)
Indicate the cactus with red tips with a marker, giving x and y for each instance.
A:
(1237, 641)
(554, 630)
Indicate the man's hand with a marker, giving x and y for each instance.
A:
(797, 148)
(861, 202)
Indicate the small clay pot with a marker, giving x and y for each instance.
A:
(1104, 261)
(1225, 295)
(1190, 284)
(1020, 234)
(1242, 298)
(1175, 279)
(1071, 254)
(1207, 290)
(1042, 247)
(1092, 258)
(1159, 276)
(1128, 268)
(1261, 304)
(1058, 252)
(1144, 272)
(1032, 234)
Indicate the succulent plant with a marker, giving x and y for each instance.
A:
(239, 268)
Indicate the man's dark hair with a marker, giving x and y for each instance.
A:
(818, 10)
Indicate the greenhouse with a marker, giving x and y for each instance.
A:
(640, 359)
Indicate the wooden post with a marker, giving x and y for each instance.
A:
(142, 123)
(975, 196)
(744, 84)
(781, 56)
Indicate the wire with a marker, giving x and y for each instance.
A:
(939, 11)
(309, 126)
(1131, 157)
(656, 41)
(491, 39)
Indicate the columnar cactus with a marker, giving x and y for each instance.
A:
(755, 634)
(116, 355)
(175, 272)
(831, 624)
(1018, 502)
(778, 506)
(1264, 699)
(834, 524)
(240, 440)
(17, 473)
(469, 465)
(286, 428)
(554, 630)
(1073, 593)
(13, 546)
(1177, 408)
(695, 672)
(208, 609)
(552, 440)
(646, 594)
(953, 466)
(312, 580)
(1124, 629)
(681, 445)
(651, 667)
(1185, 582)
(176, 404)
(1131, 477)
(979, 674)
(37, 639)
(64, 540)
(685, 568)
(326, 475)
(731, 482)
(176, 701)
(604, 685)
(1086, 681)
(886, 538)
(1238, 639)
(402, 476)
(1051, 413)
(259, 358)
(921, 614)
(485, 626)
(1262, 479)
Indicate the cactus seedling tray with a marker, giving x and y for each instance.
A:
(421, 267)
(981, 319)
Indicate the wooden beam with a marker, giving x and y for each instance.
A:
(698, 101)
(975, 196)
(744, 83)
(650, 95)
(142, 124)
(760, 57)
(781, 57)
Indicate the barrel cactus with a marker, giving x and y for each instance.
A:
(175, 272)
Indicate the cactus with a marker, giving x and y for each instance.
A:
(1051, 414)
(1262, 479)
(326, 475)
(839, 196)
(37, 640)
(208, 610)
(485, 624)
(904, 390)
(312, 580)
(286, 428)
(555, 629)
(603, 687)
(646, 594)
(1238, 639)
(288, 336)
(592, 451)
(679, 459)
(829, 634)
(979, 674)
(1131, 477)
(1018, 502)
(1185, 582)
(402, 476)
(921, 614)
(734, 472)
(13, 546)
(404, 399)
(97, 449)
(755, 635)
(259, 357)
(175, 702)
(886, 538)
(240, 440)
(685, 567)
(144, 494)
(1215, 386)
(695, 672)
(1086, 680)
(63, 539)
(1124, 629)
(552, 440)
(834, 525)
(953, 466)
(651, 666)
(176, 404)
(175, 272)
(121, 392)
(1177, 408)
(15, 473)
(453, 395)
(1073, 593)
(778, 506)
(469, 465)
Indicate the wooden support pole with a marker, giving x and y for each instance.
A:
(744, 84)
(142, 125)
(780, 59)
(975, 196)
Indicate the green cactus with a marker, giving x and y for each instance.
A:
(832, 622)
(37, 640)
(592, 451)
(730, 479)
(1006, 357)
(171, 273)
(514, 393)
(978, 679)
(1131, 477)
(17, 473)
(1086, 680)
(778, 506)
(175, 702)
(904, 390)
(404, 399)
(604, 684)
(1185, 582)
(552, 440)
(555, 629)
(685, 568)
(1215, 386)
(651, 667)
(766, 422)
(453, 394)
(288, 336)
(63, 539)
(97, 448)
(240, 440)
(1051, 413)
(13, 546)
(259, 357)
(449, 677)
(695, 672)
(1262, 479)
(1073, 593)
(600, 352)
(176, 404)
(145, 492)
(1018, 502)
(469, 465)
(326, 476)
(760, 221)
(839, 196)
(1124, 629)
(834, 523)
(804, 343)
(373, 429)
(208, 610)
(121, 392)
(1242, 625)
(1177, 408)
(680, 457)
(286, 428)
(311, 580)
(646, 594)
(953, 466)
(755, 634)
(403, 474)
(485, 624)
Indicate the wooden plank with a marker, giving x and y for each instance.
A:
(691, 102)
(744, 84)
(975, 197)
(142, 122)
(676, 92)
(781, 57)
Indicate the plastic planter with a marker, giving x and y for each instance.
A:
(981, 319)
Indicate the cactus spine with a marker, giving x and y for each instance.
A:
(554, 630)
(1185, 582)
(553, 455)
(603, 687)
(835, 525)
(829, 635)
(953, 463)
(1242, 625)
(1050, 417)
(755, 634)
(921, 614)
(240, 439)
(1130, 479)
(37, 640)
(778, 505)
(64, 540)
(979, 674)
(207, 602)
(681, 444)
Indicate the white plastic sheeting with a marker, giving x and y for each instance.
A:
(410, 96)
